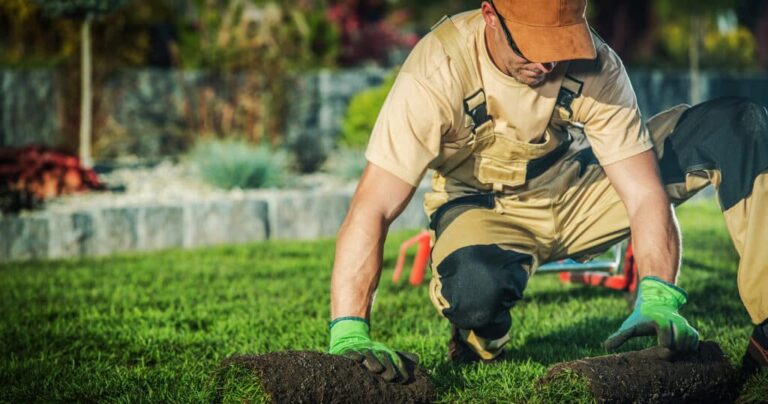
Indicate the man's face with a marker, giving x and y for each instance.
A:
(505, 54)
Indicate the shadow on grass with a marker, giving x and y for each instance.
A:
(700, 266)
(448, 376)
(574, 341)
(561, 295)
(718, 302)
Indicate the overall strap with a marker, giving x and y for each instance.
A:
(569, 90)
(475, 108)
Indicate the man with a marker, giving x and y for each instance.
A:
(534, 133)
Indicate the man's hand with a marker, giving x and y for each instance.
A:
(656, 313)
(350, 337)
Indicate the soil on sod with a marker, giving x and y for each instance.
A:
(312, 377)
(649, 376)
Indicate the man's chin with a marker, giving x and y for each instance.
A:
(530, 81)
(533, 83)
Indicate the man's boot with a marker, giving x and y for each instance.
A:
(460, 352)
(756, 357)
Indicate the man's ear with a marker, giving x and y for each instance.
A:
(489, 15)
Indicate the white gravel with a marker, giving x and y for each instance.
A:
(170, 182)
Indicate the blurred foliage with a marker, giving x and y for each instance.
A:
(346, 163)
(723, 47)
(362, 112)
(231, 40)
(255, 47)
(235, 163)
(31, 37)
(269, 36)
(266, 44)
(79, 9)
(684, 9)
(24, 44)
(371, 31)
(293, 35)
(424, 13)
(733, 49)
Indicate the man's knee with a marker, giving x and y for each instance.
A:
(481, 283)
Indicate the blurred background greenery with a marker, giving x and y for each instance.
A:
(250, 55)
(299, 34)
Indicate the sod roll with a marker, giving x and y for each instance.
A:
(312, 377)
(650, 376)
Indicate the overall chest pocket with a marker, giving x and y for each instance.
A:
(502, 161)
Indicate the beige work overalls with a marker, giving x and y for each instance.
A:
(546, 201)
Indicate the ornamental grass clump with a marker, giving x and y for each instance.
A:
(232, 164)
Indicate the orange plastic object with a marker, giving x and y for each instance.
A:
(625, 281)
(419, 262)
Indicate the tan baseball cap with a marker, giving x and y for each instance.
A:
(548, 30)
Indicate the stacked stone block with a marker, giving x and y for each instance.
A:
(249, 217)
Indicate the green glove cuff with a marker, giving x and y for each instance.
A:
(348, 329)
(350, 337)
(655, 291)
(352, 318)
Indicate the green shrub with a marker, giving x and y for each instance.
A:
(237, 164)
(361, 114)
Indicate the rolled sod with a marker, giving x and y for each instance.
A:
(312, 377)
(651, 376)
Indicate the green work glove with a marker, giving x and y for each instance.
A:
(350, 337)
(656, 313)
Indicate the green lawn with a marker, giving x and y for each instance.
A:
(153, 327)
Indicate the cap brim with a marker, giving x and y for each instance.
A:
(553, 44)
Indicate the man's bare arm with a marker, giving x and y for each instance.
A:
(656, 245)
(380, 197)
(655, 233)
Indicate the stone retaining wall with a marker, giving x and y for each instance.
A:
(29, 107)
(241, 218)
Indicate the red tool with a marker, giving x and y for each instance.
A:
(419, 266)
(626, 280)
(569, 270)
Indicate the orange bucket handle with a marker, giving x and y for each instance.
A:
(419, 266)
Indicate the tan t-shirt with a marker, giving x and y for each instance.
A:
(423, 116)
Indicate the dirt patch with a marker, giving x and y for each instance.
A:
(312, 377)
(651, 376)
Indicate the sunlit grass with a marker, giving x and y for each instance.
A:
(154, 327)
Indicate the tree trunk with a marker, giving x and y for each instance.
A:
(85, 95)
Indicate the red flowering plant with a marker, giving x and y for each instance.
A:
(368, 31)
(32, 174)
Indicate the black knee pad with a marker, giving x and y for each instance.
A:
(725, 134)
(481, 283)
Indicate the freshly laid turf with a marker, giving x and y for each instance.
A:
(318, 377)
(704, 376)
(154, 327)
